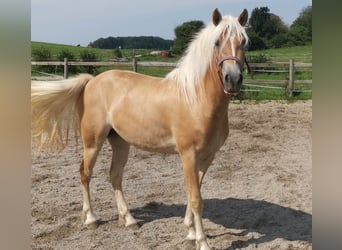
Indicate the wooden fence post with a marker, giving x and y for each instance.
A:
(291, 78)
(135, 65)
(66, 72)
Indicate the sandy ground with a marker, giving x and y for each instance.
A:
(257, 192)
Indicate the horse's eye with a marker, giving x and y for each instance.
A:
(243, 42)
(217, 43)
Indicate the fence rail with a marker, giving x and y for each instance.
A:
(269, 67)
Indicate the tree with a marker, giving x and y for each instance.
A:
(259, 20)
(299, 35)
(277, 32)
(132, 42)
(267, 29)
(184, 34)
(255, 41)
(301, 30)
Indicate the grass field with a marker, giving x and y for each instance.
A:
(299, 54)
(101, 54)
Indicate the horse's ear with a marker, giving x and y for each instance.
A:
(216, 17)
(243, 17)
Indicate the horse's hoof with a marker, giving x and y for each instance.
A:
(134, 226)
(190, 245)
(92, 225)
(121, 222)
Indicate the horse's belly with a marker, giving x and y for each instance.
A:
(160, 149)
(152, 143)
(150, 138)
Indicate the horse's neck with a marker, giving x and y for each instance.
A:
(212, 115)
(213, 98)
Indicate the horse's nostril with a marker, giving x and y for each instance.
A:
(240, 78)
(227, 78)
(237, 79)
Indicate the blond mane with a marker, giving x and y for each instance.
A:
(192, 67)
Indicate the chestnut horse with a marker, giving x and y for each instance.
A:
(186, 113)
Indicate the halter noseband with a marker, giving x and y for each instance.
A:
(219, 68)
(226, 58)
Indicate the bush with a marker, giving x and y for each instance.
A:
(278, 41)
(65, 53)
(117, 53)
(88, 56)
(255, 41)
(299, 35)
(43, 54)
(71, 57)
(259, 58)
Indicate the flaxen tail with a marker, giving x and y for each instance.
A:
(54, 111)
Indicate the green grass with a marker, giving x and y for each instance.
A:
(302, 90)
(102, 54)
(272, 94)
(299, 54)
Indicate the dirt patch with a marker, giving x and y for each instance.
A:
(258, 191)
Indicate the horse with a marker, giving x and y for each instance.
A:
(184, 113)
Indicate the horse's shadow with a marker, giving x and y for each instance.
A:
(270, 220)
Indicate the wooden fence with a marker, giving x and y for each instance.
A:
(271, 67)
(279, 67)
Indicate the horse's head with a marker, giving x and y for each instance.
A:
(229, 50)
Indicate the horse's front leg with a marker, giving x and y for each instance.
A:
(189, 217)
(189, 221)
(193, 217)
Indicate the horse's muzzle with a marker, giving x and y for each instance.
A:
(232, 83)
(230, 73)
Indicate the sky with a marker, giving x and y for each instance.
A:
(74, 22)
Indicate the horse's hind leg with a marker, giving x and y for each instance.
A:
(92, 140)
(119, 160)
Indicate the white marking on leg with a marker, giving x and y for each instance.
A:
(201, 238)
(189, 223)
(87, 212)
(123, 210)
